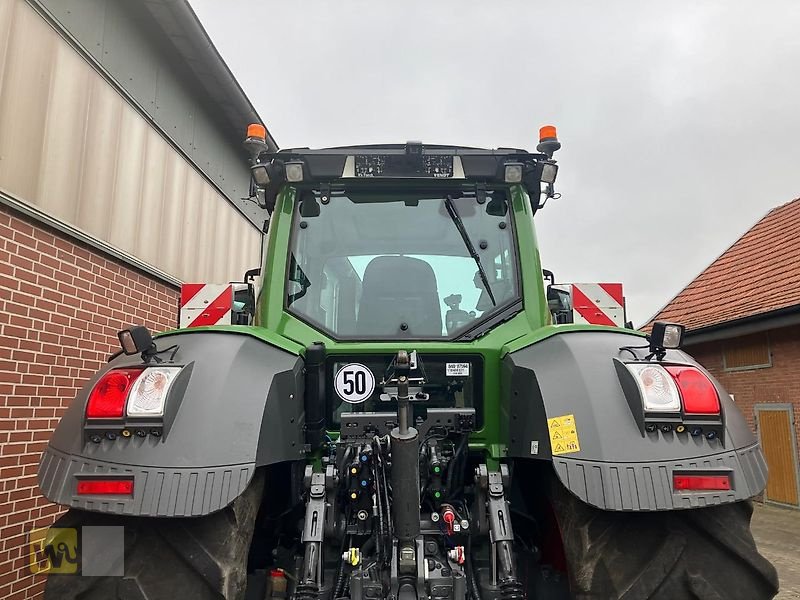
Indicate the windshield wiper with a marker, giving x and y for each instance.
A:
(448, 202)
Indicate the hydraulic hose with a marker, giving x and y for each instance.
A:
(472, 580)
(378, 500)
(338, 589)
(454, 466)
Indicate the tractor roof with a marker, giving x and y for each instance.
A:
(410, 160)
(402, 148)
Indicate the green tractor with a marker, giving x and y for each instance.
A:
(403, 419)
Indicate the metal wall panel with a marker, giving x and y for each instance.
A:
(125, 41)
(85, 20)
(74, 147)
(97, 184)
(30, 49)
(66, 116)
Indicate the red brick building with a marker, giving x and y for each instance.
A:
(121, 176)
(61, 304)
(743, 320)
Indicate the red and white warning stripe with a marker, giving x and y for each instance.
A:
(598, 304)
(205, 304)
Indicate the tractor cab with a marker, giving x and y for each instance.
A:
(400, 242)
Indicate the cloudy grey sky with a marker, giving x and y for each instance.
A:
(680, 120)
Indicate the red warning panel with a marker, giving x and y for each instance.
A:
(204, 304)
(598, 304)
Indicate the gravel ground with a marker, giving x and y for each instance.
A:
(777, 533)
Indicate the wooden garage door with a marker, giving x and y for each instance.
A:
(777, 441)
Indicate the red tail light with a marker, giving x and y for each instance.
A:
(101, 487)
(107, 399)
(701, 482)
(697, 392)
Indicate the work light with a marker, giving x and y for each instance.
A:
(135, 340)
(513, 172)
(294, 171)
(549, 172)
(666, 336)
(260, 174)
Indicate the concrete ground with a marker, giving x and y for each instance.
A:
(777, 534)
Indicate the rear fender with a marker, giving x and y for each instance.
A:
(238, 407)
(617, 466)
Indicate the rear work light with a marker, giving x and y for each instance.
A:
(107, 398)
(698, 393)
(105, 487)
(701, 482)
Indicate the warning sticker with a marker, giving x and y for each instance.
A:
(459, 369)
(563, 435)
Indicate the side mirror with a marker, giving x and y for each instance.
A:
(251, 274)
(559, 303)
(243, 304)
(244, 298)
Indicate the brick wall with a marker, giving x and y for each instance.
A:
(779, 383)
(61, 304)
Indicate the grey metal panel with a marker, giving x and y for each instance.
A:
(158, 492)
(176, 111)
(85, 19)
(647, 486)
(132, 61)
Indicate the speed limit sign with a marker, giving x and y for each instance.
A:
(354, 383)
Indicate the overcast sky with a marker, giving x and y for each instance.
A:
(680, 120)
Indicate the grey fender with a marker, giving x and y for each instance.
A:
(618, 466)
(237, 405)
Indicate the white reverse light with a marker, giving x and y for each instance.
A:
(658, 388)
(149, 393)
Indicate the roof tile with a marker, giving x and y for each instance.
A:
(759, 273)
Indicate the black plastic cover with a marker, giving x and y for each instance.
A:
(241, 408)
(618, 467)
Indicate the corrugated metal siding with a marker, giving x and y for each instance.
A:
(74, 147)
(133, 49)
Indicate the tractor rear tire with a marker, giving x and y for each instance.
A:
(203, 558)
(696, 554)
